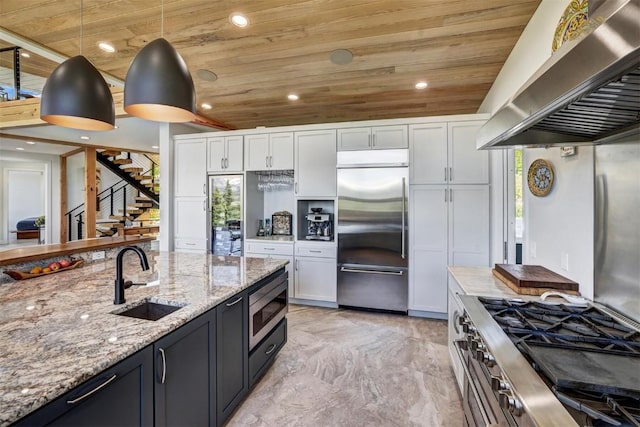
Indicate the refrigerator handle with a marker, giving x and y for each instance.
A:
(403, 217)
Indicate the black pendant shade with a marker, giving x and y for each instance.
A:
(76, 96)
(159, 86)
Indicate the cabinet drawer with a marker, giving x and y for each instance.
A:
(262, 356)
(192, 244)
(270, 248)
(319, 252)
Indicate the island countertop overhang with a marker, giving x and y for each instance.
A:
(59, 329)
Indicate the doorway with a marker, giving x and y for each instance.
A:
(24, 201)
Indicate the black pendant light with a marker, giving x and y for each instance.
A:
(158, 85)
(76, 95)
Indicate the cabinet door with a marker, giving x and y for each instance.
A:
(385, 137)
(190, 218)
(120, 396)
(316, 279)
(288, 268)
(468, 165)
(190, 167)
(185, 373)
(428, 240)
(217, 154)
(469, 225)
(281, 155)
(354, 139)
(232, 362)
(316, 164)
(234, 157)
(428, 153)
(256, 152)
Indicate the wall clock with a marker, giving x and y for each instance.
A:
(540, 177)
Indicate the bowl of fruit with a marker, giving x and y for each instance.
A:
(41, 270)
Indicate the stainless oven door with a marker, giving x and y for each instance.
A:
(267, 306)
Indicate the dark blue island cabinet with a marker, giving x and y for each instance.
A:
(120, 396)
(185, 373)
(232, 354)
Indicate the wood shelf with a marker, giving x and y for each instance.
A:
(35, 253)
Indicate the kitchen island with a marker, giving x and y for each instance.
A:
(59, 330)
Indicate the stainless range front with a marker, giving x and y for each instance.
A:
(541, 364)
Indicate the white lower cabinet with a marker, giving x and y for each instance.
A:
(275, 250)
(454, 329)
(315, 269)
(449, 225)
(190, 224)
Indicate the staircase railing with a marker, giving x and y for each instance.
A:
(113, 195)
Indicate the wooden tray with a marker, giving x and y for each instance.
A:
(533, 279)
(21, 275)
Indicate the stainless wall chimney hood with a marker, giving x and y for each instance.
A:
(587, 92)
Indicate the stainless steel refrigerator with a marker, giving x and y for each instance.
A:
(372, 238)
(225, 204)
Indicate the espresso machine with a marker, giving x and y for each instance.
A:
(319, 225)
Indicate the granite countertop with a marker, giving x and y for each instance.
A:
(58, 330)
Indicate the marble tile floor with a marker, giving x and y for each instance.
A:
(352, 368)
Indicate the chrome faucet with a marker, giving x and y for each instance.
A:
(119, 298)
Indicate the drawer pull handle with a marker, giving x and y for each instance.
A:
(190, 244)
(270, 349)
(89, 393)
(357, 270)
(269, 249)
(164, 365)
(315, 251)
(235, 302)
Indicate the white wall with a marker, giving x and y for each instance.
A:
(51, 166)
(560, 225)
(530, 52)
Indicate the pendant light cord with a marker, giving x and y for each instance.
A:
(81, 23)
(162, 18)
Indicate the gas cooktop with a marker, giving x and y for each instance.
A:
(589, 359)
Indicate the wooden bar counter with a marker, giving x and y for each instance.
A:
(38, 252)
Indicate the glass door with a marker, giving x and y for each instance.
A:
(225, 203)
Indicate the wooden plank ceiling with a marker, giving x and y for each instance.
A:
(457, 46)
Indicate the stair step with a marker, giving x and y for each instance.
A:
(121, 217)
(133, 211)
(142, 177)
(111, 153)
(131, 169)
(122, 161)
(142, 205)
(142, 199)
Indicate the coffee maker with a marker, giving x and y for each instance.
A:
(319, 225)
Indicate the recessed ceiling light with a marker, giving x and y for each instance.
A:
(107, 47)
(207, 75)
(30, 142)
(85, 137)
(239, 20)
(155, 147)
(341, 56)
(206, 106)
(293, 97)
(25, 55)
(421, 85)
(20, 148)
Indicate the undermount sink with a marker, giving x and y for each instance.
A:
(148, 309)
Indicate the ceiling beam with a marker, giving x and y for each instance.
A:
(68, 143)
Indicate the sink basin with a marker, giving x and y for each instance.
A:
(150, 310)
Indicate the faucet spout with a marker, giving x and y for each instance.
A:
(119, 282)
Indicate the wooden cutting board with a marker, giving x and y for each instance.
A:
(533, 279)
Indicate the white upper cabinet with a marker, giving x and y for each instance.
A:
(467, 164)
(269, 151)
(445, 153)
(315, 167)
(225, 154)
(428, 153)
(190, 167)
(372, 138)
